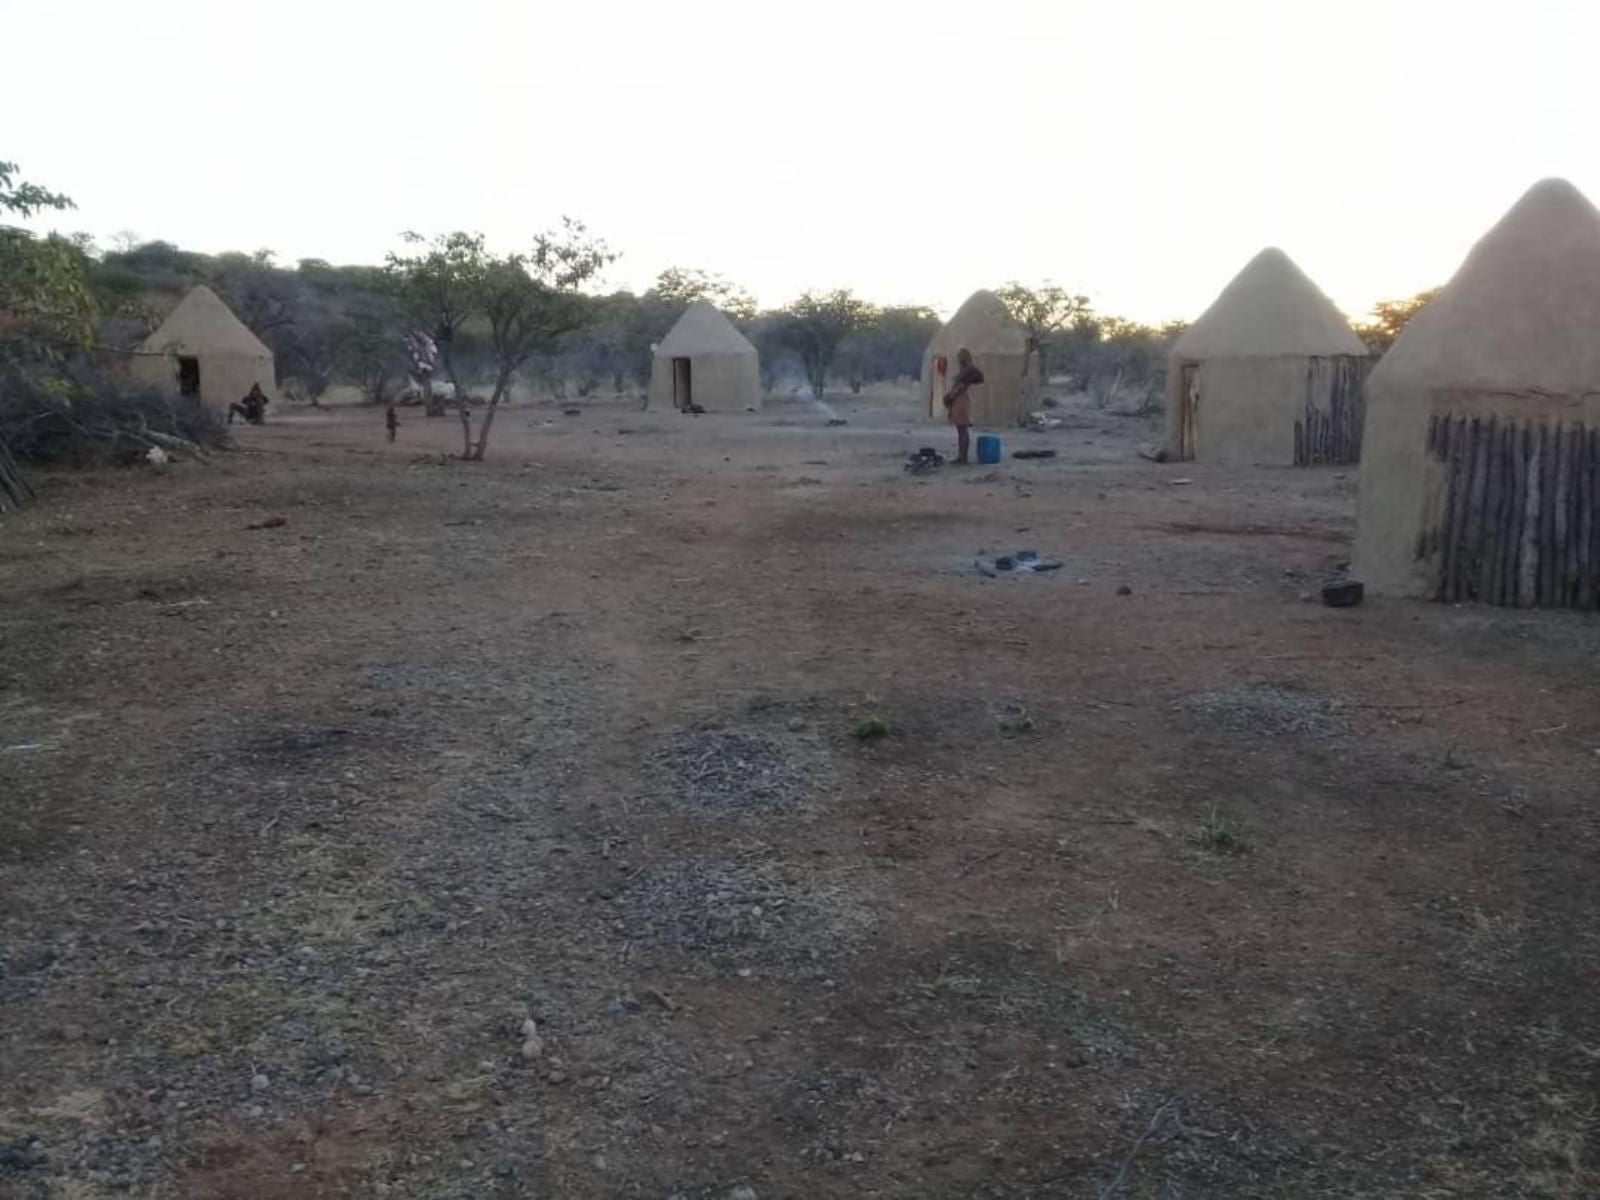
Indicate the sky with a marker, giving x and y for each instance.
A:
(911, 150)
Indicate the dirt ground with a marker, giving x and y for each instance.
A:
(822, 864)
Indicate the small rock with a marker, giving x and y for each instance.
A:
(1346, 593)
(743, 1192)
(796, 724)
(259, 1083)
(1124, 590)
(556, 1077)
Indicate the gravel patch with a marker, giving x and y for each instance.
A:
(1269, 711)
(742, 911)
(718, 772)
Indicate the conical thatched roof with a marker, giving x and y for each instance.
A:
(983, 326)
(703, 330)
(1270, 308)
(203, 324)
(1523, 310)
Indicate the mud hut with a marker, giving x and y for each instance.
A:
(1481, 479)
(1000, 350)
(203, 350)
(1270, 374)
(705, 363)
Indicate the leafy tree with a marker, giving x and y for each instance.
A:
(1043, 312)
(44, 283)
(531, 301)
(888, 346)
(679, 287)
(441, 284)
(1389, 319)
(368, 352)
(815, 324)
(24, 198)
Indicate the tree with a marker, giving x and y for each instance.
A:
(679, 287)
(1389, 319)
(441, 285)
(1043, 313)
(368, 353)
(44, 284)
(814, 326)
(530, 301)
(888, 345)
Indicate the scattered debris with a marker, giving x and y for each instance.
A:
(924, 460)
(1180, 482)
(1049, 402)
(1033, 454)
(572, 412)
(1020, 562)
(1153, 453)
(1039, 422)
(837, 421)
(156, 457)
(1124, 590)
(270, 523)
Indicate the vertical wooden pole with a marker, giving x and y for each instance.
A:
(1528, 585)
(1456, 433)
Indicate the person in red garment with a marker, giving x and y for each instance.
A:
(958, 401)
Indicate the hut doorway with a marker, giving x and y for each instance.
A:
(1189, 412)
(189, 376)
(682, 391)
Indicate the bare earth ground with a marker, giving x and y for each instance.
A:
(1202, 891)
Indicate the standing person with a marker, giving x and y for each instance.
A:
(958, 401)
(391, 421)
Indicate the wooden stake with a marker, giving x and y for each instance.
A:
(1454, 503)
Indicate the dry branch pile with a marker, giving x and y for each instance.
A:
(91, 416)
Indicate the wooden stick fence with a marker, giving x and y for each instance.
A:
(1330, 429)
(1520, 521)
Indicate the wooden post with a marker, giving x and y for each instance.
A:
(1591, 597)
(1482, 581)
(1450, 526)
(1482, 436)
(14, 489)
(1583, 516)
(1508, 534)
(1528, 584)
(1519, 507)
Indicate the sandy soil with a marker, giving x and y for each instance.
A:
(1198, 891)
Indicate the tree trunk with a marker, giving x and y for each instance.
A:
(431, 406)
(501, 385)
(465, 414)
(14, 489)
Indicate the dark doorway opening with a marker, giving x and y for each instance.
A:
(682, 392)
(189, 376)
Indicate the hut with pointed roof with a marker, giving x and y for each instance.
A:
(999, 349)
(1482, 475)
(704, 364)
(203, 350)
(1270, 374)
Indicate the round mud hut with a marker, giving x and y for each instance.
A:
(1481, 479)
(1271, 374)
(999, 349)
(704, 364)
(203, 350)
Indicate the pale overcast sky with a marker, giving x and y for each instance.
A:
(912, 151)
